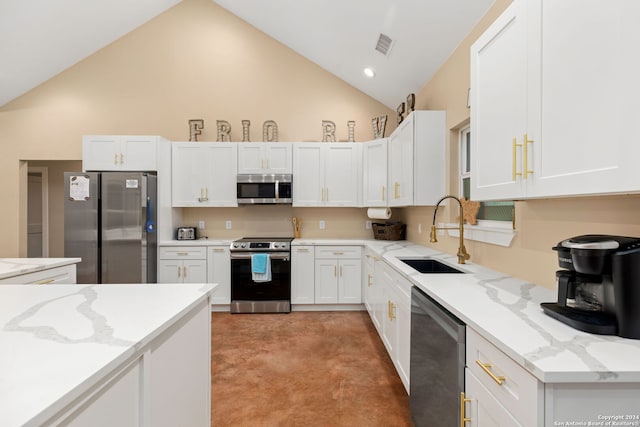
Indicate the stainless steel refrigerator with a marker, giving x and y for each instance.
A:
(109, 222)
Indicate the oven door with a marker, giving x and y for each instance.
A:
(248, 296)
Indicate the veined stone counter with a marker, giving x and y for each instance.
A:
(11, 267)
(73, 352)
(506, 311)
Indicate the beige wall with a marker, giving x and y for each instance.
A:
(194, 61)
(540, 224)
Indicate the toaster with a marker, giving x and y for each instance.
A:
(186, 233)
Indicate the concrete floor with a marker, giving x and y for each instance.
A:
(303, 369)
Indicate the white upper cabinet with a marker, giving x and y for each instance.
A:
(204, 174)
(327, 174)
(416, 160)
(264, 157)
(562, 74)
(374, 166)
(120, 152)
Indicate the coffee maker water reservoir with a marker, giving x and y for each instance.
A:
(599, 288)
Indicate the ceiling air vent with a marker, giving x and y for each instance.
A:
(384, 44)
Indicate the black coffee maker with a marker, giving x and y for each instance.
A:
(599, 288)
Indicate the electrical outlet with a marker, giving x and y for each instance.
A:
(201, 225)
(321, 224)
(419, 228)
(367, 225)
(228, 224)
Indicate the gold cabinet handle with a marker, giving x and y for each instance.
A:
(327, 190)
(184, 271)
(383, 193)
(525, 156)
(392, 310)
(182, 253)
(338, 253)
(121, 158)
(463, 418)
(302, 250)
(515, 146)
(179, 271)
(368, 280)
(45, 282)
(335, 271)
(396, 190)
(115, 158)
(219, 250)
(340, 271)
(487, 368)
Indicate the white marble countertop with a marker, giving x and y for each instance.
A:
(11, 267)
(506, 311)
(56, 342)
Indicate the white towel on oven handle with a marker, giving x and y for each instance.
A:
(263, 277)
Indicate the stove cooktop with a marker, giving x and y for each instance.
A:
(263, 244)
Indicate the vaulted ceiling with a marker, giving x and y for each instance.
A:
(41, 38)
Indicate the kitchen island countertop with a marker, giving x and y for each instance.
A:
(57, 342)
(11, 267)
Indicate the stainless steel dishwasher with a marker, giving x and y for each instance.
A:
(437, 363)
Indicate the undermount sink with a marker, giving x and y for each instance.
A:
(429, 266)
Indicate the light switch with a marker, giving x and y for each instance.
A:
(228, 224)
(321, 224)
(201, 225)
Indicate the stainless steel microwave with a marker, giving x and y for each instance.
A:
(265, 189)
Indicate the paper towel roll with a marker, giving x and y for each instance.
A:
(379, 213)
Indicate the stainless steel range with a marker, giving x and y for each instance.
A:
(258, 291)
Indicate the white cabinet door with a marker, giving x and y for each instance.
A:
(119, 153)
(308, 175)
(302, 275)
(343, 177)
(375, 173)
(264, 157)
(194, 271)
(326, 281)
(250, 157)
(350, 281)
(170, 271)
(389, 321)
(484, 409)
(499, 99)
(204, 174)
(377, 296)
(278, 157)
(327, 174)
(403, 347)
(219, 271)
(589, 89)
(537, 132)
(401, 164)
(182, 271)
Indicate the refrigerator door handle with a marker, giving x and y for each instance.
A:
(149, 226)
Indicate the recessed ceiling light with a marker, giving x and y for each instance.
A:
(369, 72)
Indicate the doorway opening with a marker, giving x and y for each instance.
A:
(38, 212)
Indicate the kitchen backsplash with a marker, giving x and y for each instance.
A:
(273, 220)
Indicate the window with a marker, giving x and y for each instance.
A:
(492, 211)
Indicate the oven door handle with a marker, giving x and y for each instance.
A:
(276, 255)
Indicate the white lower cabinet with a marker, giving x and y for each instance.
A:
(394, 309)
(58, 275)
(338, 275)
(302, 275)
(371, 289)
(182, 264)
(219, 271)
(483, 408)
(503, 380)
(141, 391)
